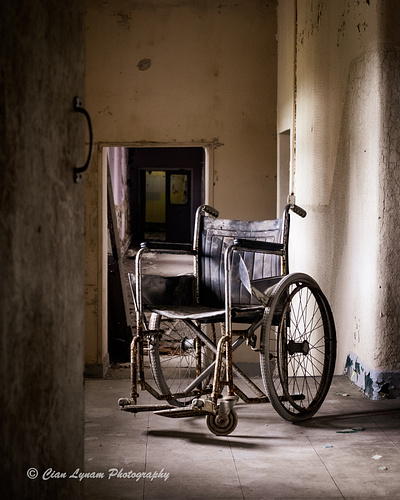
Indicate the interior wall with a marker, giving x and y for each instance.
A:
(346, 151)
(201, 71)
(187, 73)
(41, 247)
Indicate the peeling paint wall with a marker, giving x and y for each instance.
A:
(345, 171)
(41, 246)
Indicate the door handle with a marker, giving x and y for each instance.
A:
(78, 171)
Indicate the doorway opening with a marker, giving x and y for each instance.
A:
(167, 186)
(153, 194)
(167, 210)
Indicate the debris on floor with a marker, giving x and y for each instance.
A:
(350, 431)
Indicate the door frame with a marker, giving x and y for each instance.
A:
(99, 329)
(142, 202)
(208, 147)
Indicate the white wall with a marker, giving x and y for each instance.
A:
(346, 120)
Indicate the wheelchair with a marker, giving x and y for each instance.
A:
(241, 327)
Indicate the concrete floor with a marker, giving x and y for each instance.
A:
(265, 457)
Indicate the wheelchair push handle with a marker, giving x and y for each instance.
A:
(298, 210)
(209, 210)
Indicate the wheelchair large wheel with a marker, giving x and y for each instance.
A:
(298, 348)
(177, 357)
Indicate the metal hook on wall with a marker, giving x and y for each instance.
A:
(78, 171)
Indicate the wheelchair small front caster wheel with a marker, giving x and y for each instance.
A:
(222, 427)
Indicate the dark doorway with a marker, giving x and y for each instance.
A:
(166, 188)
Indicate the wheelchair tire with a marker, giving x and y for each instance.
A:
(173, 361)
(298, 348)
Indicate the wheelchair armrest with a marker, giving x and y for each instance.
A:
(162, 246)
(261, 246)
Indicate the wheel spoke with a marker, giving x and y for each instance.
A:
(301, 353)
(182, 373)
(177, 357)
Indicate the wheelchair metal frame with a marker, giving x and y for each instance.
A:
(221, 418)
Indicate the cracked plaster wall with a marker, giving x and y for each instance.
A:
(346, 171)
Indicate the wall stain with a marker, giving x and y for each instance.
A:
(312, 24)
(144, 64)
(349, 363)
(124, 19)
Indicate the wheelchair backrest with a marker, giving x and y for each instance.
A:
(214, 237)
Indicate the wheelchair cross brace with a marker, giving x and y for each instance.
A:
(138, 378)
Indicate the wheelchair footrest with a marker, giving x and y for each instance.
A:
(192, 411)
(140, 408)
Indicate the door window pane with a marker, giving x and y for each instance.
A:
(155, 205)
